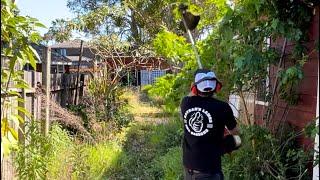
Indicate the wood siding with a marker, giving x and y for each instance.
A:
(305, 110)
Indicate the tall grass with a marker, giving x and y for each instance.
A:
(148, 148)
(72, 160)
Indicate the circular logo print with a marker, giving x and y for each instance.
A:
(197, 121)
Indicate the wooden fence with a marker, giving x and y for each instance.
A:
(63, 88)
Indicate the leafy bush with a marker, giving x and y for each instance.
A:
(123, 117)
(170, 165)
(60, 159)
(103, 99)
(32, 155)
(170, 89)
(99, 160)
(263, 156)
(69, 159)
(166, 136)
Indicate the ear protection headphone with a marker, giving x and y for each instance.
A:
(195, 91)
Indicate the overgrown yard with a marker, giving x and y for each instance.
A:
(259, 47)
(148, 148)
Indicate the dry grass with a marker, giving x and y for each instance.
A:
(138, 108)
(143, 111)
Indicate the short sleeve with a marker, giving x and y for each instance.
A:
(183, 104)
(231, 122)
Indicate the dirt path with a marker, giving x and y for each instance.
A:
(144, 111)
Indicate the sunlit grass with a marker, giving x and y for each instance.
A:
(139, 150)
(138, 108)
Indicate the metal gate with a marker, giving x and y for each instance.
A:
(149, 77)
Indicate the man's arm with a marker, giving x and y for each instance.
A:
(234, 131)
(232, 127)
(230, 121)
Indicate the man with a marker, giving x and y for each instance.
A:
(205, 119)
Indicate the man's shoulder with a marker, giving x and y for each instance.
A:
(185, 98)
(220, 102)
(188, 99)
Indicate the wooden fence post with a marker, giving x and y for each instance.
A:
(77, 81)
(22, 104)
(46, 81)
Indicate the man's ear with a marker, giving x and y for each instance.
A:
(218, 87)
(194, 90)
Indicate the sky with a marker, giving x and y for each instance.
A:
(45, 11)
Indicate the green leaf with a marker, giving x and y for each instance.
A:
(18, 117)
(14, 93)
(12, 63)
(239, 62)
(35, 53)
(14, 120)
(21, 100)
(22, 85)
(40, 25)
(23, 110)
(14, 133)
(5, 146)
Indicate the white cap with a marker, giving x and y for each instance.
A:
(205, 81)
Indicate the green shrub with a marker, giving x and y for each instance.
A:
(32, 155)
(123, 117)
(169, 166)
(101, 159)
(170, 89)
(62, 148)
(167, 135)
(263, 156)
(80, 161)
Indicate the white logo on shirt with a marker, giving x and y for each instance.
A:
(197, 121)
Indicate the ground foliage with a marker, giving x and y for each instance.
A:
(235, 48)
(269, 157)
(151, 149)
(33, 153)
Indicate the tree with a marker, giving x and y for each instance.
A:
(17, 34)
(236, 48)
(135, 21)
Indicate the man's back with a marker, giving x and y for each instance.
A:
(204, 122)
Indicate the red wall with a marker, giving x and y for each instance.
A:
(305, 111)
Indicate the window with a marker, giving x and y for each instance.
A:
(262, 90)
(54, 69)
(63, 52)
(60, 68)
(263, 85)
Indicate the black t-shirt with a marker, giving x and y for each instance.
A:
(204, 121)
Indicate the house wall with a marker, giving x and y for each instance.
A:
(76, 52)
(305, 111)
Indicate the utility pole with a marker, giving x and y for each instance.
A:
(77, 81)
(46, 81)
